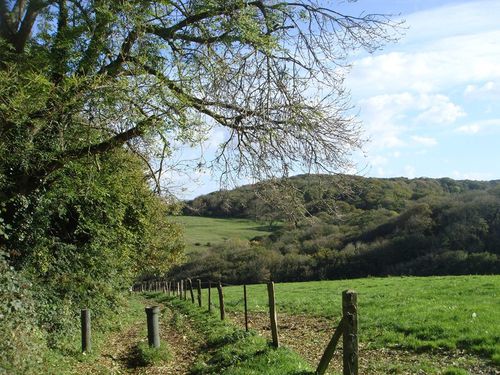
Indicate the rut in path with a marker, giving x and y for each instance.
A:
(119, 353)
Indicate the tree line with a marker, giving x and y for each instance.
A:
(369, 227)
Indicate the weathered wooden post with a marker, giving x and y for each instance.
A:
(190, 283)
(182, 289)
(246, 306)
(199, 292)
(153, 327)
(85, 320)
(272, 314)
(350, 339)
(221, 301)
(209, 296)
(330, 349)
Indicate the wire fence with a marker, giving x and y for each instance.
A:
(189, 290)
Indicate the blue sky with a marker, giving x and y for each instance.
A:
(429, 104)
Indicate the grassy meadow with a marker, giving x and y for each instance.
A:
(410, 313)
(200, 232)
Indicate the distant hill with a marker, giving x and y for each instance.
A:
(348, 226)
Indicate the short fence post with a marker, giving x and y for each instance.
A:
(272, 314)
(153, 328)
(350, 339)
(221, 301)
(86, 343)
(246, 306)
(199, 292)
(209, 296)
(190, 283)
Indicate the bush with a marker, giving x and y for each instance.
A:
(20, 341)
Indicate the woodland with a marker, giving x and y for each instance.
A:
(348, 227)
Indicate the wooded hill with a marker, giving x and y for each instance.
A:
(346, 226)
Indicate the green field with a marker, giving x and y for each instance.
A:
(410, 313)
(201, 231)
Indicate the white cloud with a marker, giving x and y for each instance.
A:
(479, 126)
(478, 176)
(440, 110)
(489, 90)
(426, 141)
(409, 171)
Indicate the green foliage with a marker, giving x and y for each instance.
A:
(382, 227)
(21, 340)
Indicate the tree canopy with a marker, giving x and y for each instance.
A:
(84, 77)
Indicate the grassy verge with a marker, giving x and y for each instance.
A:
(411, 313)
(66, 356)
(229, 350)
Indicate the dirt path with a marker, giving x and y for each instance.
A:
(120, 356)
(309, 336)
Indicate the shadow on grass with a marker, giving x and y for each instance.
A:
(134, 359)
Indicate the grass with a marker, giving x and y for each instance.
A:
(411, 313)
(148, 356)
(67, 355)
(229, 350)
(200, 232)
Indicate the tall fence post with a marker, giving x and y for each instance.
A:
(86, 342)
(246, 306)
(272, 314)
(153, 326)
(190, 283)
(199, 292)
(221, 301)
(350, 339)
(209, 296)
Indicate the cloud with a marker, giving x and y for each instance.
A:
(426, 141)
(489, 90)
(478, 176)
(437, 53)
(390, 118)
(479, 126)
(409, 171)
(439, 110)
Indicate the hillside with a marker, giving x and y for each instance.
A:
(345, 226)
(201, 233)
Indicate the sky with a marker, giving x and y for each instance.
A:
(430, 103)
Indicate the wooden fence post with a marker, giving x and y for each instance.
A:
(86, 342)
(221, 301)
(199, 292)
(330, 349)
(209, 296)
(272, 314)
(350, 339)
(246, 306)
(153, 327)
(190, 283)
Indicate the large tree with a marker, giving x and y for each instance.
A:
(81, 78)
